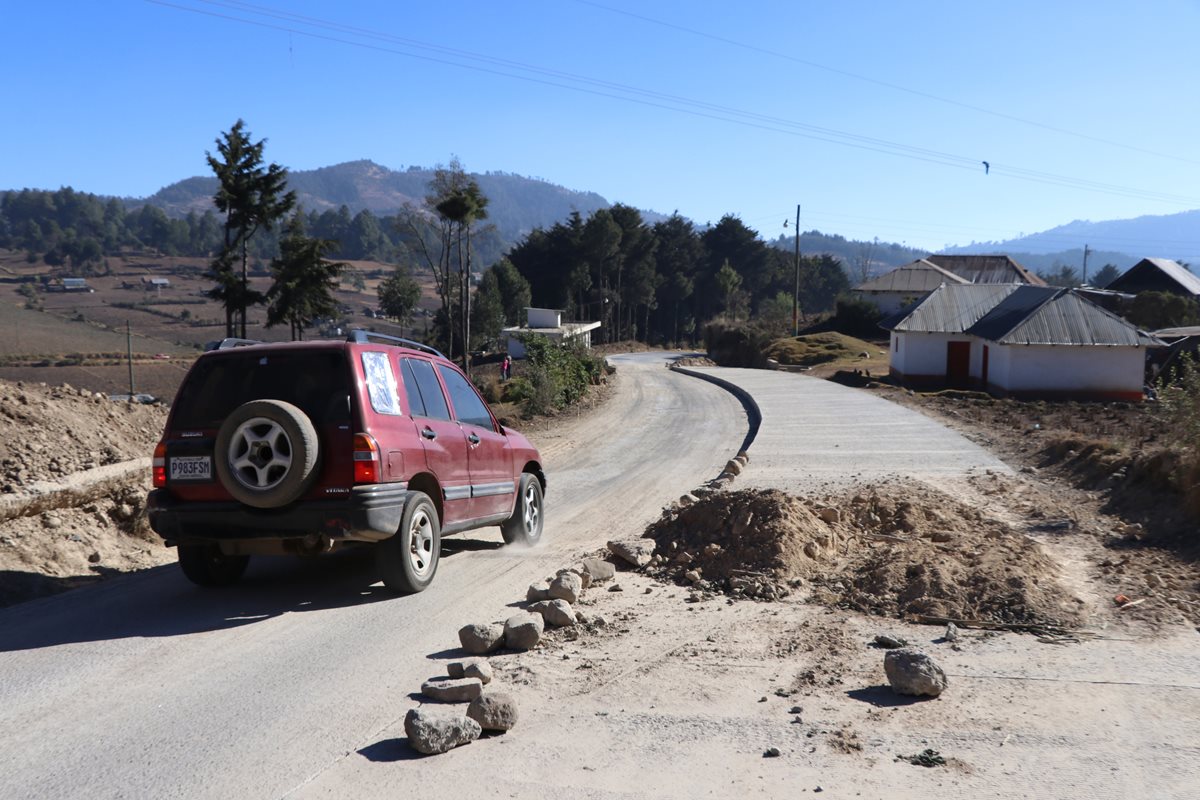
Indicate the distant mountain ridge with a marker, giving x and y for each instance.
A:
(1120, 241)
(516, 204)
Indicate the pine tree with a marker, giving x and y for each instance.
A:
(304, 280)
(252, 197)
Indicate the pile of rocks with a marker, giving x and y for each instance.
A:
(549, 604)
(733, 468)
(433, 731)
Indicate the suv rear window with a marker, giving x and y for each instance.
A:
(316, 382)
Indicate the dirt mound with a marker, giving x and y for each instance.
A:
(47, 433)
(896, 550)
(61, 548)
(51, 541)
(755, 541)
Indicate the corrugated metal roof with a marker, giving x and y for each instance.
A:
(1064, 318)
(1177, 333)
(1178, 272)
(1012, 311)
(919, 276)
(1171, 269)
(986, 269)
(951, 308)
(1014, 314)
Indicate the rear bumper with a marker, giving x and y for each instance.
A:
(370, 513)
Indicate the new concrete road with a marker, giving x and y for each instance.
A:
(817, 434)
(147, 687)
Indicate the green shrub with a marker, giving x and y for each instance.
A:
(737, 344)
(856, 317)
(517, 390)
(554, 375)
(1179, 401)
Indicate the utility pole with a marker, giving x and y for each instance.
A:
(796, 294)
(1086, 250)
(129, 357)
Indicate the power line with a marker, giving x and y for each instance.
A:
(648, 97)
(885, 84)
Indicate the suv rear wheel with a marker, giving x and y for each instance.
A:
(266, 453)
(525, 524)
(207, 565)
(407, 561)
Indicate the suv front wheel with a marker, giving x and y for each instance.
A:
(408, 560)
(525, 524)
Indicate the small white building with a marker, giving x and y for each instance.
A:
(905, 285)
(546, 322)
(1019, 340)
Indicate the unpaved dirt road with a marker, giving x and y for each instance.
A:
(148, 687)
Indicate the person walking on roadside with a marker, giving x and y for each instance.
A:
(505, 368)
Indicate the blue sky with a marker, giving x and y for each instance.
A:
(702, 107)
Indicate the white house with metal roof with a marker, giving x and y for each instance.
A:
(905, 285)
(1018, 340)
(910, 283)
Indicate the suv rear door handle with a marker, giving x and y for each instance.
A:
(429, 434)
(473, 438)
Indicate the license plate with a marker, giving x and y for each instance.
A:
(191, 468)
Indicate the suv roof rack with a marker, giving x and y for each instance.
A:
(226, 344)
(361, 336)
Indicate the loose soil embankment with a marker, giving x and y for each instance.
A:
(1116, 472)
(901, 550)
(69, 513)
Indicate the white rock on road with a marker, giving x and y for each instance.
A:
(471, 668)
(599, 569)
(494, 711)
(567, 586)
(523, 631)
(432, 732)
(452, 690)
(637, 552)
(912, 672)
(556, 613)
(481, 638)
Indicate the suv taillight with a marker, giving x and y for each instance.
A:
(366, 459)
(159, 465)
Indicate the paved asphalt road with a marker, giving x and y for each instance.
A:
(147, 687)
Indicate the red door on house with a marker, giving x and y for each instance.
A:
(958, 362)
(984, 369)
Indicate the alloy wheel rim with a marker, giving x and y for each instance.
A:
(420, 543)
(260, 453)
(532, 511)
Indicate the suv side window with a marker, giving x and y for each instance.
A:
(416, 406)
(432, 402)
(468, 407)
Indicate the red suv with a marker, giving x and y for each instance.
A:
(307, 446)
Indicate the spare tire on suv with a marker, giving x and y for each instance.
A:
(266, 453)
